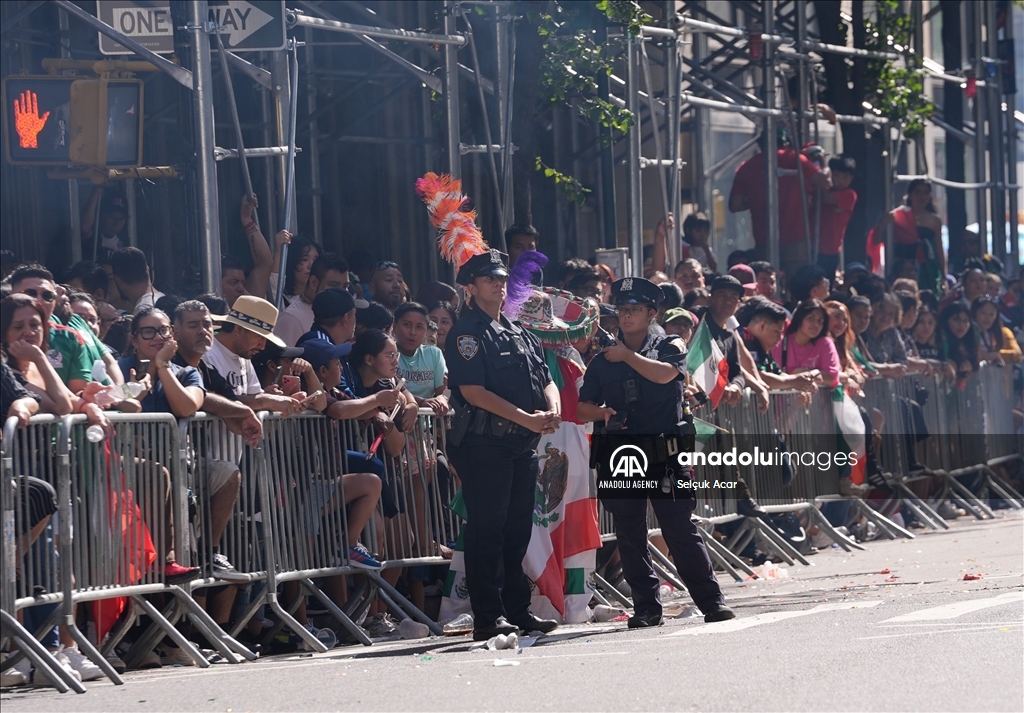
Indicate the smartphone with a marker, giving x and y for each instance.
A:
(143, 368)
(306, 402)
(277, 375)
(289, 384)
(615, 423)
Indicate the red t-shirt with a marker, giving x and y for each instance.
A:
(749, 181)
(834, 219)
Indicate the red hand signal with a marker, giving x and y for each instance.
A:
(27, 121)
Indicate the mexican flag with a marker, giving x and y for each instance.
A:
(706, 363)
(455, 598)
(850, 428)
(563, 547)
(705, 432)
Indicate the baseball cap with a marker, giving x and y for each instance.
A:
(745, 275)
(727, 282)
(319, 352)
(335, 302)
(678, 312)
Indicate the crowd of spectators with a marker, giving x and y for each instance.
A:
(365, 347)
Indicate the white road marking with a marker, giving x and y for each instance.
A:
(956, 630)
(726, 627)
(952, 611)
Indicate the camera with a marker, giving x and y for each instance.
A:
(604, 339)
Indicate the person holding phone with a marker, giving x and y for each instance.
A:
(634, 387)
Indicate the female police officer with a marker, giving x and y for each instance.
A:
(503, 399)
(638, 380)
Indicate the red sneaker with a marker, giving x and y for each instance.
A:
(174, 573)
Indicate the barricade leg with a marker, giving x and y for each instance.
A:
(884, 524)
(840, 539)
(42, 659)
(919, 507)
(604, 584)
(227, 646)
(665, 569)
(723, 556)
(406, 606)
(176, 636)
(962, 494)
(346, 621)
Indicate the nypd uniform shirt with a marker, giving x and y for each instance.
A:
(655, 408)
(498, 355)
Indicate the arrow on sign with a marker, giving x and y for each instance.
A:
(241, 19)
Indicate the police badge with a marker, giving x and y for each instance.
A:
(468, 347)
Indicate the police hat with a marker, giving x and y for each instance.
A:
(636, 291)
(727, 282)
(490, 263)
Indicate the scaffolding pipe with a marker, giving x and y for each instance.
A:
(771, 159)
(1011, 174)
(673, 86)
(314, 138)
(801, 124)
(297, 19)
(202, 95)
(633, 181)
(977, 11)
(289, 181)
(659, 154)
(997, 170)
(451, 95)
(257, 74)
(74, 199)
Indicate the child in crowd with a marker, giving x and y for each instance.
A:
(444, 315)
(431, 334)
(421, 365)
(681, 323)
(836, 210)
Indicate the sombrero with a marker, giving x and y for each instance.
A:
(558, 317)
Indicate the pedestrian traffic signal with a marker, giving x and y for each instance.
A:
(67, 120)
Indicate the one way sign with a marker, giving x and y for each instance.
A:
(250, 25)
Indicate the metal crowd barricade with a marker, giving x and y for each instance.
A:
(301, 465)
(126, 501)
(424, 520)
(208, 445)
(30, 452)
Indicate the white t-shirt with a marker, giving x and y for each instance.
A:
(147, 300)
(238, 372)
(423, 371)
(294, 321)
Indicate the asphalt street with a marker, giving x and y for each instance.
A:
(894, 628)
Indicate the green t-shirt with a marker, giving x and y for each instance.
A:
(94, 348)
(423, 371)
(67, 353)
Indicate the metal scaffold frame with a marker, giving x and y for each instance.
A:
(702, 87)
(700, 59)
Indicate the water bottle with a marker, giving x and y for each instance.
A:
(95, 434)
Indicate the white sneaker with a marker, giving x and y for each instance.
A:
(40, 679)
(174, 656)
(81, 663)
(12, 677)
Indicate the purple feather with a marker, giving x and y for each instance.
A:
(520, 280)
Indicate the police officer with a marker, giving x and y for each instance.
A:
(634, 388)
(503, 400)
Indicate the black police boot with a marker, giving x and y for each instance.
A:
(642, 621)
(528, 622)
(719, 612)
(501, 626)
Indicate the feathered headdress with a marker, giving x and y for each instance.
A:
(520, 278)
(458, 236)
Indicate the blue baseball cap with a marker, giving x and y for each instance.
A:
(319, 352)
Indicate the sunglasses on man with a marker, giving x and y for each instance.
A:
(44, 295)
